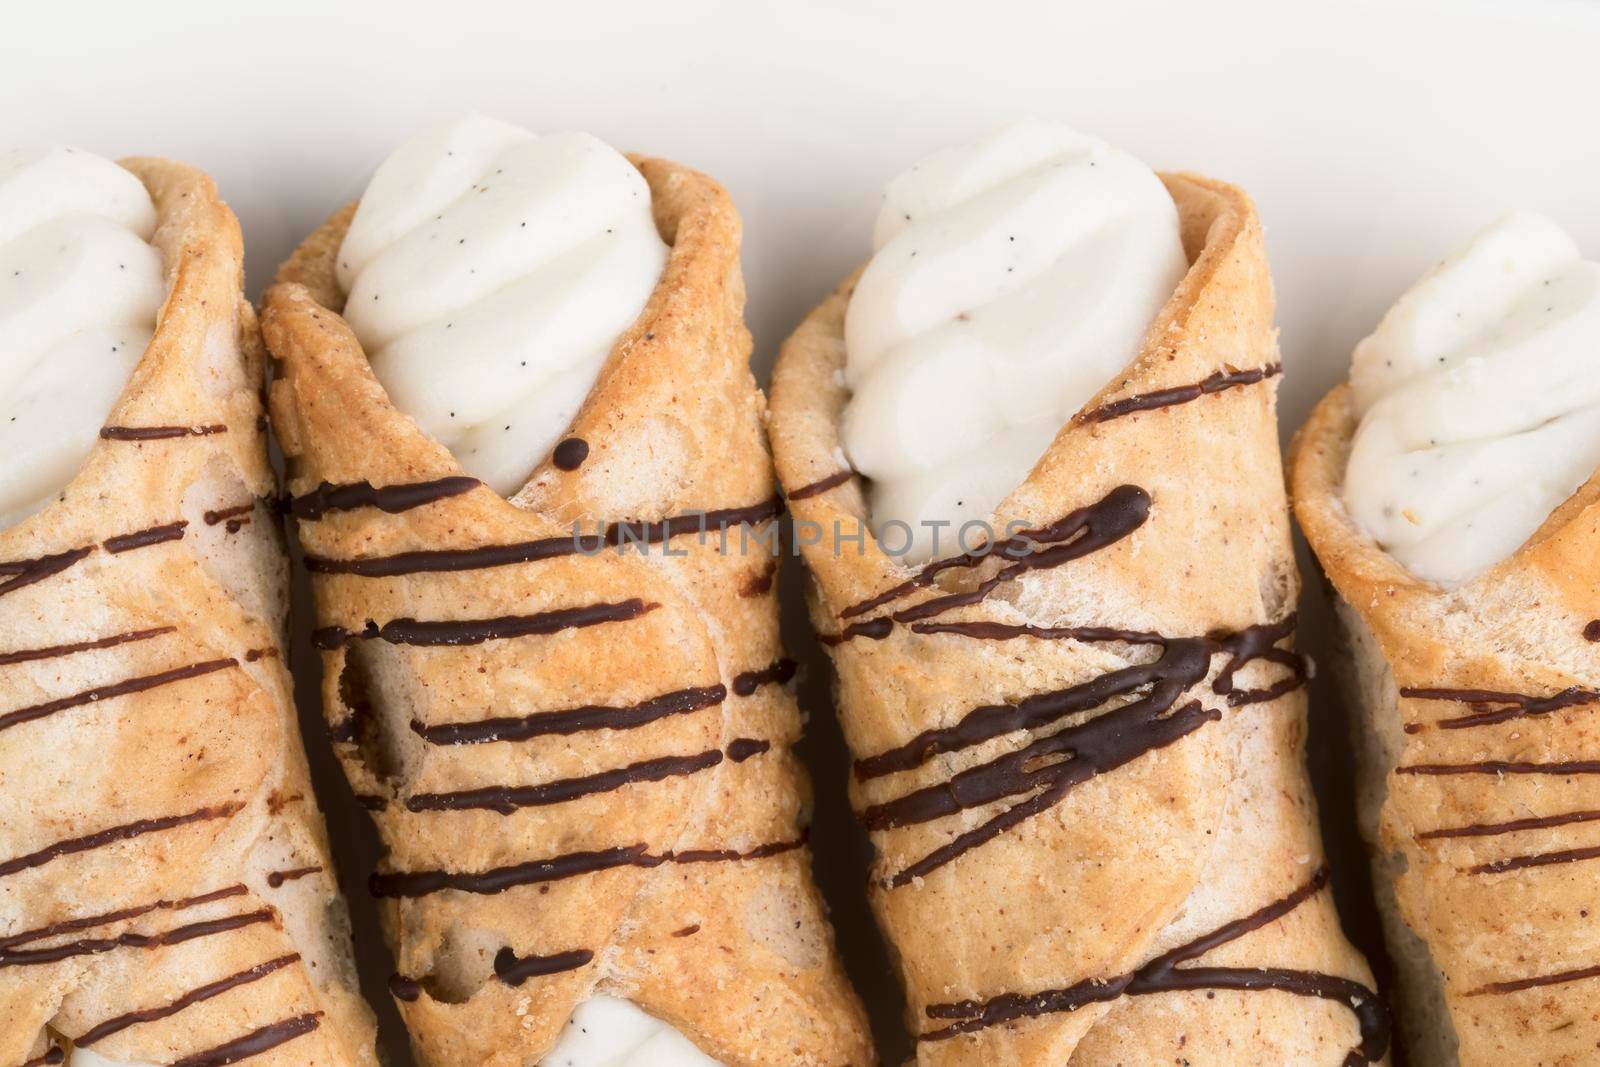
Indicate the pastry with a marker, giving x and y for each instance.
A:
(1077, 717)
(529, 474)
(166, 893)
(1447, 493)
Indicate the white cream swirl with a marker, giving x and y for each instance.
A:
(489, 272)
(1479, 399)
(1013, 278)
(611, 1032)
(80, 288)
(83, 1057)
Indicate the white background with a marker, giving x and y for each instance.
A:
(1373, 136)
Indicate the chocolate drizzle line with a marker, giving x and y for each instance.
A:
(1518, 985)
(446, 560)
(1591, 632)
(155, 535)
(513, 970)
(116, 689)
(1086, 530)
(572, 720)
(158, 433)
(410, 884)
(1183, 394)
(1491, 707)
(94, 946)
(26, 572)
(189, 999)
(1541, 859)
(89, 922)
(28, 655)
(779, 673)
(1164, 975)
(125, 832)
(746, 748)
(1502, 767)
(392, 499)
(56, 1055)
(822, 485)
(276, 879)
(570, 454)
(508, 799)
(254, 1044)
(434, 633)
(1544, 822)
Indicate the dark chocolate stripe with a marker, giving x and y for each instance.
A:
(94, 946)
(1182, 394)
(195, 996)
(1543, 822)
(1163, 975)
(508, 799)
(253, 1044)
(116, 689)
(154, 535)
(276, 879)
(445, 560)
(1518, 985)
(434, 633)
(1539, 859)
(25, 572)
(214, 517)
(1495, 707)
(1503, 767)
(999, 631)
(125, 832)
(392, 499)
(746, 748)
(28, 655)
(778, 673)
(407, 990)
(159, 433)
(821, 485)
(410, 884)
(56, 1055)
(572, 720)
(88, 922)
(513, 970)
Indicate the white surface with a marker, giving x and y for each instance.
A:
(1372, 134)
(490, 273)
(1479, 397)
(611, 1032)
(79, 292)
(1013, 277)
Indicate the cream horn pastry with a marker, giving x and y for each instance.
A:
(1078, 726)
(166, 893)
(1448, 492)
(514, 393)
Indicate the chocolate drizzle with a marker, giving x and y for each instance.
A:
(276, 879)
(154, 535)
(196, 996)
(508, 799)
(392, 499)
(94, 946)
(572, 720)
(1491, 707)
(1163, 974)
(407, 990)
(255, 1043)
(1183, 394)
(56, 1055)
(1543, 822)
(436, 633)
(821, 485)
(570, 454)
(23, 573)
(411, 884)
(1568, 767)
(1591, 632)
(29, 655)
(89, 922)
(745, 748)
(116, 689)
(1540, 859)
(125, 832)
(158, 433)
(1537, 982)
(513, 970)
(779, 673)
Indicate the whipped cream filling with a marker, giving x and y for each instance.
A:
(489, 273)
(611, 1032)
(1011, 280)
(1479, 401)
(82, 1057)
(80, 288)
